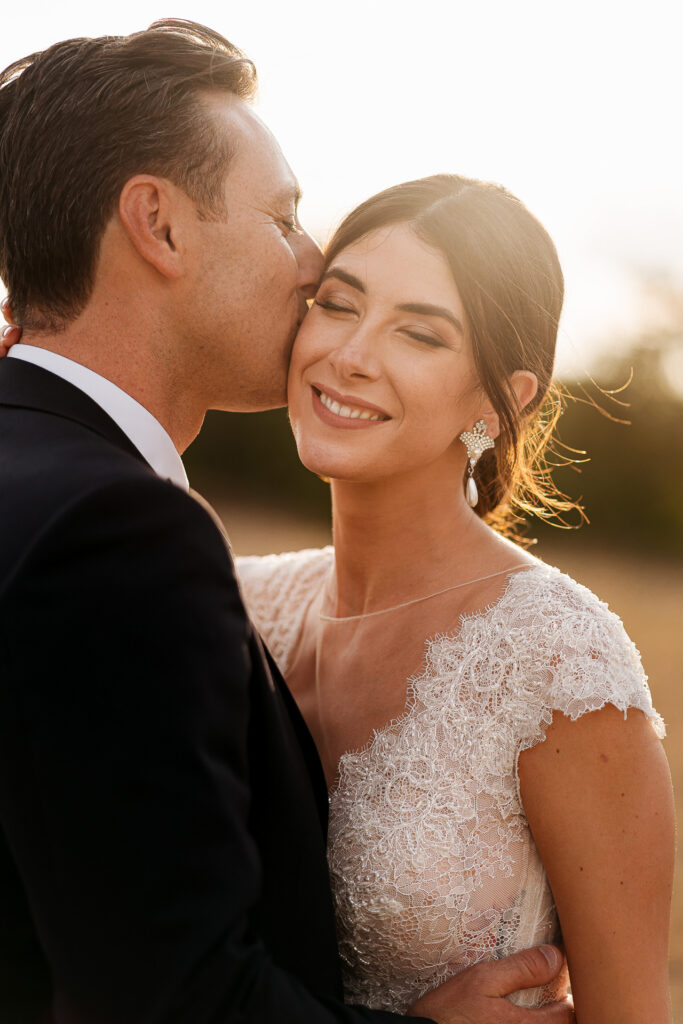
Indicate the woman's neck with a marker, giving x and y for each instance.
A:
(404, 537)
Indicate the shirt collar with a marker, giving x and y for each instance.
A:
(136, 422)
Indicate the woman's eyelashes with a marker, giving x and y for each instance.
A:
(332, 304)
(428, 339)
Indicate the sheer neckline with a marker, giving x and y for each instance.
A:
(430, 644)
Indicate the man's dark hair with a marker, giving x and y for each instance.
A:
(81, 118)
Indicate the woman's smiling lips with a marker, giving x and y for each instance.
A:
(344, 410)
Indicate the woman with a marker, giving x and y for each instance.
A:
(483, 720)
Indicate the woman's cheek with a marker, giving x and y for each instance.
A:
(300, 356)
(309, 344)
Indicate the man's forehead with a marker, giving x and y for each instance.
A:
(255, 146)
(267, 176)
(233, 116)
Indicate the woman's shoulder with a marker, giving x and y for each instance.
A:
(570, 649)
(277, 589)
(555, 608)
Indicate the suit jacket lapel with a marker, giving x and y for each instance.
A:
(279, 686)
(308, 747)
(26, 386)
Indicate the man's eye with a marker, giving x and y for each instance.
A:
(291, 227)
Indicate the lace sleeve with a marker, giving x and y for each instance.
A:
(581, 659)
(276, 590)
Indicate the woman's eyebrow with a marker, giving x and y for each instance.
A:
(427, 309)
(343, 275)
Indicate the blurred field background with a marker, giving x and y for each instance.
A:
(631, 553)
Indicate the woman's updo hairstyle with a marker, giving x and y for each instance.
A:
(507, 272)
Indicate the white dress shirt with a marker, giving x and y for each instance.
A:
(137, 423)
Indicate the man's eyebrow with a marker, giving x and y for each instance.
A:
(343, 275)
(427, 309)
(290, 195)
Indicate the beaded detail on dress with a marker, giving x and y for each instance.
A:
(432, 862)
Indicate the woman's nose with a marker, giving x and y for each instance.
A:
(356, 357)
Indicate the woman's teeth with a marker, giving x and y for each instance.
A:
(348, 411)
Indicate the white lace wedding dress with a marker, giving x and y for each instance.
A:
(432, 862)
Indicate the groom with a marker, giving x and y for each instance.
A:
(162, 808)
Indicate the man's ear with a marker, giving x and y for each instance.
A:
(524, 385)
(150, 211)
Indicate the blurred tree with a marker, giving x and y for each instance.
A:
(632, 485)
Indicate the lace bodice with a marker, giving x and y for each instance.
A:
(432, 863)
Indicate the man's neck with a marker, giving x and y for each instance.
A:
(134, 365)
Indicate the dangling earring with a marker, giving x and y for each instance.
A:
(477, 441)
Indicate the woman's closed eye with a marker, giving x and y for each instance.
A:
(428, 339)
(340, 306)
(332, 306)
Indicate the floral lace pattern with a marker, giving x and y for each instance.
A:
(432, 862)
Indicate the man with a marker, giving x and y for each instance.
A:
(162, 856)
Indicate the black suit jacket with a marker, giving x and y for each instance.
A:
(162, 807)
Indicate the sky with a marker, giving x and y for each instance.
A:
(574, 106)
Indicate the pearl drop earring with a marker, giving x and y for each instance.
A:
(477, 441)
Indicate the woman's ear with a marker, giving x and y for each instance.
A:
(150, 213)
(524, 385)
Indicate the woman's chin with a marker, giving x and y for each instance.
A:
(328, 470)
(343, 472)
(336, 468)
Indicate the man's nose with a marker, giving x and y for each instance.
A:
(310, 263)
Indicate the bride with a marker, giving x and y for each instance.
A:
(484, 722)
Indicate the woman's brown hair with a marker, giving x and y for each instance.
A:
(508, 274)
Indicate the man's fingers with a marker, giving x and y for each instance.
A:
(555, 1013)
(478, 992)
(9, 336)
(526, 969)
